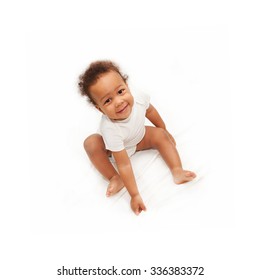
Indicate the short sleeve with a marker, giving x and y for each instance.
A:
(143, 98)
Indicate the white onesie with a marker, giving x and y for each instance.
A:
(126, 134)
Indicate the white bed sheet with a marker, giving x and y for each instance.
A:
(72, 197)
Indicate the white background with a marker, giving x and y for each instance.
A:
(211, 50)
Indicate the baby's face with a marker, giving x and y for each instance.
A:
(112, 96)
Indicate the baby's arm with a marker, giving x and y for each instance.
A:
(126, 173)
(154, 117)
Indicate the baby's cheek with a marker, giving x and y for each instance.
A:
(131, 99)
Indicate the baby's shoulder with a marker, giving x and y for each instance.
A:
(107, 124)
(105, 121)
(141, 98)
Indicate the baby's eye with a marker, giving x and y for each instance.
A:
(121, 91)
(107, 101)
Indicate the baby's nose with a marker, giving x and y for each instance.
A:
(119, 101)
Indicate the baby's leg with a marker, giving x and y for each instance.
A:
(157, 138)
(97, 153)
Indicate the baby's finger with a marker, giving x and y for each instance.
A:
(143, 207)
(139, 209)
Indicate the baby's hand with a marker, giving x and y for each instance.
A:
(137, 204)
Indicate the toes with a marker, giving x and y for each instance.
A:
(109, 191)
(193, 175)
(190, 174)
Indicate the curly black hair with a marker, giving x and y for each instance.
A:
(93, 73)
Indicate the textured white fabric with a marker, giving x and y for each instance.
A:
(126, 134)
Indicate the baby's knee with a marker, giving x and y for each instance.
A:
(160, 136)
(93, 143)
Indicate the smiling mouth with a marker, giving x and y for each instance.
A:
(121, 111)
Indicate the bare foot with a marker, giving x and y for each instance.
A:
(182, 176)
(115, 185)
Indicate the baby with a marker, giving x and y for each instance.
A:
(123, 131)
